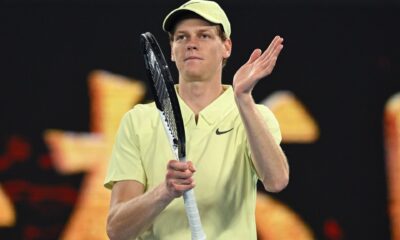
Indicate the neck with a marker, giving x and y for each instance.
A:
(198, 95)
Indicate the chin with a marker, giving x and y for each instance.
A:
(194, 74)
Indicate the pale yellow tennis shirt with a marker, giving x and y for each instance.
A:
(217, 145)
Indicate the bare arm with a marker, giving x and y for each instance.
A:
(267, 155)
(132, 211)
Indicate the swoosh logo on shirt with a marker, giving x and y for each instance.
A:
(218, 132)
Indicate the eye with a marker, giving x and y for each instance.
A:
(180, 37)
(205, 36)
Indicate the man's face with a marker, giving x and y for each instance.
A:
(197, 50)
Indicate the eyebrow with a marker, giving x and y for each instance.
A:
(199, 30)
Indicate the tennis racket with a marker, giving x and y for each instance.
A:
(162, 87)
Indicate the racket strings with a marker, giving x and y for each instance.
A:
(163, 97)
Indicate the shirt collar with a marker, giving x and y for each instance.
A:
(214, 111)
(187, 113)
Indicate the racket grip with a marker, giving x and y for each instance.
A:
(193, 215)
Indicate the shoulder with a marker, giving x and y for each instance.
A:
(265, 111)
(142, 114)
(142, 110)
(271, 121)
(268, 115)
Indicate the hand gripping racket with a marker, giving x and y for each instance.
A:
(162, 87)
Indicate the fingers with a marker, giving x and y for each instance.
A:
(256, 54)
(177, 166)
(273, 49)
(191, 167)
(268, 59)
(179, 177)
(271, 53)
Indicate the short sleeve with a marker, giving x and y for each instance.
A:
(125, 162)
(273, 127)
(272, 123)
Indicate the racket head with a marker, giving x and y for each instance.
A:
(162, 87)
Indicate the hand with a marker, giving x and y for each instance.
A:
(258, 66)
(179, 177)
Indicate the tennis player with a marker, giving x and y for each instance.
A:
(231, 141)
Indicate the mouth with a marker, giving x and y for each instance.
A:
(192, 58)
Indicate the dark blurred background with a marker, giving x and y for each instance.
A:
(341, 59)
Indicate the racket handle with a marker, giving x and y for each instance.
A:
(192, 211)
(193, 215)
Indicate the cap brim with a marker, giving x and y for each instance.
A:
(172, 18)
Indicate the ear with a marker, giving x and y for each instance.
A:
(227, 48)
(171, 50)
(172, 53)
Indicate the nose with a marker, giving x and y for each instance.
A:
(191, 47)
(192, 44)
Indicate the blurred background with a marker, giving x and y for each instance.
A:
(70, 69)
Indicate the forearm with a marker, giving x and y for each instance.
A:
(267, 156)
(129, 219)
